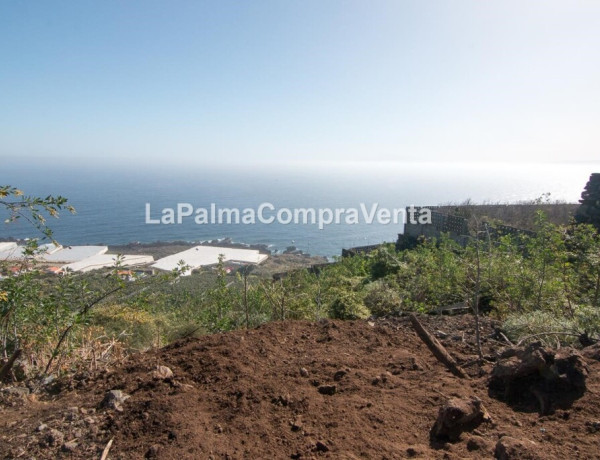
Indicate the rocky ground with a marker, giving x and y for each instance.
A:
(331, 389)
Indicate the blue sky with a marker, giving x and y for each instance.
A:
(265, 81)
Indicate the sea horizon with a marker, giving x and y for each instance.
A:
(111, 201)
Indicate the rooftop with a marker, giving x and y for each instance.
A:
(201, 256)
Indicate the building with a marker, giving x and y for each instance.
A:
(202, 256)
(107, 261)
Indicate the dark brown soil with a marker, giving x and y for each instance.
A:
(331, 389)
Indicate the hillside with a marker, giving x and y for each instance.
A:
(258, 394)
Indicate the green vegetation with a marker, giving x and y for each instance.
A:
(589, 210)
(546, 286)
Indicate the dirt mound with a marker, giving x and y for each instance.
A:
(294, 390)
(556, 378)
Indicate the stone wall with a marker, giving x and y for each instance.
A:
(456, 227)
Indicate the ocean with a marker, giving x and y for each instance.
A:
(112, 201)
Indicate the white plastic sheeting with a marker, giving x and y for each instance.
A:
(201, 256)
(107, 260)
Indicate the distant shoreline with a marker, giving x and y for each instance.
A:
(520, 215)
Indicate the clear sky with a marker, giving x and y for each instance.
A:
(466, 80)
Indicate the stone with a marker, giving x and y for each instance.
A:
(282, 400)
(17, 391)
(509, 448)
(69, 446)
(592, 352)
(593, 427)
(538, 371)
(72, 414)
(162, 373)
(327, 389)
(152, 451)
(339, 375)
(457, 416)
(441, 334)
(320, 446)
(114, 399)
(477, 443)
(412, 452)
(304, 372)
(53, 438)
(570, 364)
(296, 425)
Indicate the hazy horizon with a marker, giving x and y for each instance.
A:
(111, 201)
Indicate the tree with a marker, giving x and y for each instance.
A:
(589, 209)
(16, 290)
(40, 314)
(32, 209)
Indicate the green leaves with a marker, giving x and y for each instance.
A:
(32, 209)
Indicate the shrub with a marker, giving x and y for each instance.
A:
(520, 325)
(348, 305)
(142, 329)
(382, 300)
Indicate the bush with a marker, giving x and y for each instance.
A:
(520, 325)
(382, 300)
(348, 305)
(587, 321)
(184, 331)
(142, 329)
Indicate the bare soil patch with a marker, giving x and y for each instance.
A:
(331, 389)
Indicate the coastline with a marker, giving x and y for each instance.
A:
(520, 215)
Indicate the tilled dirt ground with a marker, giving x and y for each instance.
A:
(331, 389)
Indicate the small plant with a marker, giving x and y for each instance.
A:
(348, 305)
(382, 300)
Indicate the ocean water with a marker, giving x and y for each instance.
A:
(111, 201)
